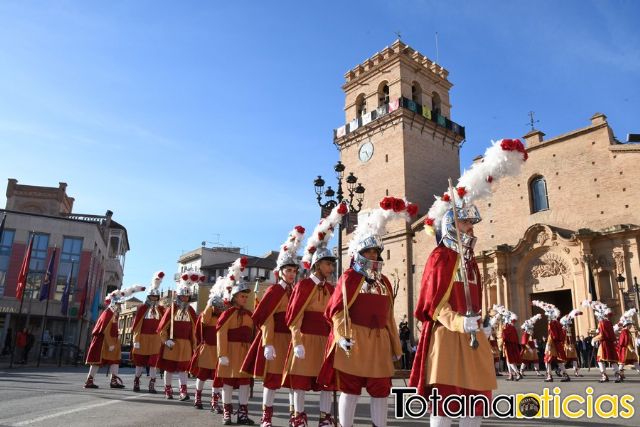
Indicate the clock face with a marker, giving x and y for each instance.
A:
(366, 151)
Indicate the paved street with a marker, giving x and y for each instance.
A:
(55, 397)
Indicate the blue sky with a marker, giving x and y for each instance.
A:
(197, 118)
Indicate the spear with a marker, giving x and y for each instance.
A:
(463, 269)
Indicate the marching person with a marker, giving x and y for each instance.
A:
(205, 356)
(234, 334)
(309, 329)
(529, 353)
(454, 354)
(570, 350)
(493, 341)
(606, 338)
(268, 352)
(511, 345)
(177, 333)
(104, 349)
(364, 340)
(627, 354)
(146, 340)
(554, 348)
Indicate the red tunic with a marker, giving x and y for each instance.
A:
(510, 343)
(529, 352)
(555, 342)
(148, 338)
(438, 287)
(107, 324)
(624, 342)
(607, 350)
(178, 358)
(255, 363)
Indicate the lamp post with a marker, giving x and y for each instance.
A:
(620, 280)
(355, 190)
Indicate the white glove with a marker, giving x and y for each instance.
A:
(224, 361)
(346, 344)
(487, 331)
(136, 345)
(112, 347)
(471, 324)
(169, 343)
(298, 351)
(269, 352)
(547, 349)
(396, 358)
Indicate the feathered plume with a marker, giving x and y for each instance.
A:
(375, 225)
(126, 293)
(323, 233)
(601, 310)
(549, 309)
(566, 320)
(528, 324)
(190, 279)
(627, 317)
(504, 158)
(218, 295)
(289, 248)
(156, 280)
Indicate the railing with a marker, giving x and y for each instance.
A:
(394, 105)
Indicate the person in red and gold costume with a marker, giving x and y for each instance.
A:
(511, 345)
(529, 353)
(205, 356)
(554, 348)
(454, 355)
(627, 354)
(309, 328)
(146, 340)
(266, 357)
(606, 336)
(177, 333)
(571, 354)
(364, 340)
(493, 341)
(235, 334)
(104, 349)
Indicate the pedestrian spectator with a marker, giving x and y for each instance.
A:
(46, 339)
(21, 343)
(29, 345)
(589, 351)
(405, 340)
(542, 342)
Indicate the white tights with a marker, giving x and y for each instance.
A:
(268, 396)
(93, 370)
(113, 369)
(298, 400)
(347, 409)
(152, 371)
(243, 394)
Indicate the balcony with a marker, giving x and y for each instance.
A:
(394, 105)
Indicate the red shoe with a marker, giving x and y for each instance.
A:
(168, 392)
(300, 420)
(198, 400)
(326, 420)
(183, 393)
(152, 386)
(136, 384)
(116, 382)
(226, 414)
(89, 383)
(215, 403)
(243, 416)
(267, 414)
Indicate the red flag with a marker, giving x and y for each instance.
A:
(24, 270)
(83, 301)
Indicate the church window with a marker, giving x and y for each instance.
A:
(538, 194)
(436, 103)
(361, 105)
(383, 94)
(416, 93)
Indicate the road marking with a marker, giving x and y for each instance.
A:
(72, 411)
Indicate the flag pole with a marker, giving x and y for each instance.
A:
(84, 309)
(66, 323)
(49, 277)
(15, 334)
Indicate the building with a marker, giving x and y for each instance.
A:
(215, 262)
(126, 318)
(91, 252)
(399, 140)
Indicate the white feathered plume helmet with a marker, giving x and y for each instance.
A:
(504, 158)
(289, 249)
(119, 295)
(627, 317)
(599, 309)
(528, 324)
(323, 233)
(505, 315)
(497, 317)
(189, 282)
(218, 297)
(224, 285)
(375, 224)
(156, 281)
(567, 320)
(550, 310)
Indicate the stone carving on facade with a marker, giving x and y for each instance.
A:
(542, 237)
(490, 278)
(566, 250)
(575, 261)
(549, 265)
(618, 259)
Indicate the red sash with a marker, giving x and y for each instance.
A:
(280, 325)
(314, 323)
(370, 310)
(241, 334)
(209, 335)
(114, 329)
(182, 330)
(149, 326)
